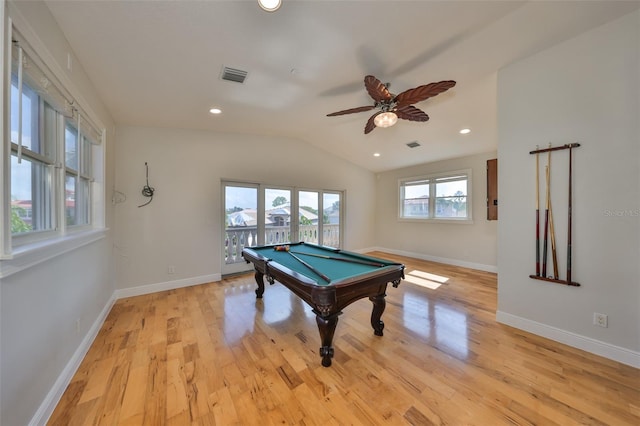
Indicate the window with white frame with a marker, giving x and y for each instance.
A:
(443, 196)
(52, 146)
(78, 175)
(33, 154)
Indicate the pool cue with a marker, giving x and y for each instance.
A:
(569, 223)
(362, 262)
(320, 274)
(537, 214)
(552, 231)
(546, 230)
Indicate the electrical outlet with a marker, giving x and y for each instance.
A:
(171, 269)
(77, 325)
(601, 320)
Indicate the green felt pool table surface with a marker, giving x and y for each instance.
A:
(338, 271)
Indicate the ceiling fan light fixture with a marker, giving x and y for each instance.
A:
(386, 119)
(392, 107)
(270, 5)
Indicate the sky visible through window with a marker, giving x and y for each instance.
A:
(20, 173)
(246, 198)
(450, 189)
(443, 189)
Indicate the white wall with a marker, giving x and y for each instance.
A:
(585, 90)
(470, 245)
(182, 225)
(40, 305)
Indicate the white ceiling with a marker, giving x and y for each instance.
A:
(158, 63)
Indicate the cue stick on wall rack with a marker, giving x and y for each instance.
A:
(554, 257)
(320, 274)
(542, 276)
(569, 219)
(537, 215)
(546, 226)
(362, 262)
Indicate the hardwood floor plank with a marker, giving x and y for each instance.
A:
(213, 354)
(222, 407)
(134, 394)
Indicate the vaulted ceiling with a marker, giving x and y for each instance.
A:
(158, 63)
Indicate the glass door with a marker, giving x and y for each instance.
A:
(255, 214)
(320, 217)
(331, 219)
(277, 215)
(241, 224)
(308, 207)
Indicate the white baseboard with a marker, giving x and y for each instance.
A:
(445, 260)
(607, 350)
(167, 285)
(55, 393)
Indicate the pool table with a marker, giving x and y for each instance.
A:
(328, 279)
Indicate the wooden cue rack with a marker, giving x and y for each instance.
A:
(538, 275)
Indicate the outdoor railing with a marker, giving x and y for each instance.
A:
(235, 239)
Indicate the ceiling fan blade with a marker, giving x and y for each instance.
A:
(370, 124)
(411, 113)
(422, 93)
(351, 111)
(376, 89)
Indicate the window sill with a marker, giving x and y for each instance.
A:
(28, 255)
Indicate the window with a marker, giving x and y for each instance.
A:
(78, 175)
(32, 158)
(442, 196)
(54, 150)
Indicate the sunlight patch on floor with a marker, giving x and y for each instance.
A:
(425, 279)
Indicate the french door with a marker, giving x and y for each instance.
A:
(320, 217)
(240, 224)
(256, 214)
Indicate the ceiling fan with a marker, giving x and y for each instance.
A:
(391, 107)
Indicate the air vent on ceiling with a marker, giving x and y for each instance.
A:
(413, 144)
(233, 74)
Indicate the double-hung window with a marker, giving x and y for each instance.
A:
(52, 154)
(78, 175)
(443, 196)
(33, 156)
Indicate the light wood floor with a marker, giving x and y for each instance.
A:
(213, 354)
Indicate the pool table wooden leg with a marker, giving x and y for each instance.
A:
(327, 328)
(378, 308)
(260, 282)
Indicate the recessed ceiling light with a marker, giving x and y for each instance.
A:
(215, 110)
(270, 5)
(376, 154)
(465, 131)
